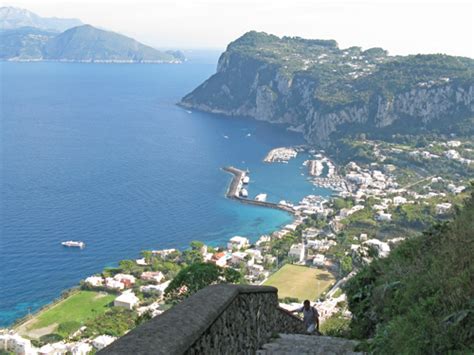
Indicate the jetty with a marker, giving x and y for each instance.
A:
(233, 191)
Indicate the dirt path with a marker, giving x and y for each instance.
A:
(38, 333)
(35, 333)
(100, 295)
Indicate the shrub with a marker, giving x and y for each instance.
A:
(67, 328)
(420, 298)
(336, 326)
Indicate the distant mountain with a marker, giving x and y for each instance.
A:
(89, 44)
(13, 18)
(26, 43)
(79, 44)
(25, 36)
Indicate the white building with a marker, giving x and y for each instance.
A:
(297, 251)
(126, 300)
(80, 348)
(141, 262)
(311, 232)
(238, 243)
(256, 270)
(164, 252)
(443, 208)
(46, 349)
(220, 259)
(319, 260)
(238, 257)
(151, 289)
(270, 259)
(162, 287)
(254, 253)
(114, 284)
(399, 200)
(155, 276)
(453, 144)
(456, 189)
(59, 348)
(102, 341)
(452, 154)
(290, 227)
(263, 239)
(94, 281)
(383, 248)
(125, 278)
(15, 343)
(383, 217)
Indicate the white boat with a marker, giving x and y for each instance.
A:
(244, 193)
(246, 179)
(261, 197)
(74, 244)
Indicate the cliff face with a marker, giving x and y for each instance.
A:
(322, 90)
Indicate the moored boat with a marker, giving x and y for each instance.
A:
(74, 244)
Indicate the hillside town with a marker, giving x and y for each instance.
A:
(373, 208)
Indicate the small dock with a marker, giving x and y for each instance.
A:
(234, 190)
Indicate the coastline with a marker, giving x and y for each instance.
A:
(232, 192)
(112, 61)
(229, 194)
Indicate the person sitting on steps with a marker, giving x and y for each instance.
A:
(310, 317)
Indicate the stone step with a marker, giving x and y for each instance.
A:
(289, 344)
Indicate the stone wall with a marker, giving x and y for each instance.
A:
(287, 322)
(220, 319)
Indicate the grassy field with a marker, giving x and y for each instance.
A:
(300, 282)
(79, 307)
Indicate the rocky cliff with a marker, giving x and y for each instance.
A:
(322, 90)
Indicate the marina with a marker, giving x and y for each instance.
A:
(236, 192)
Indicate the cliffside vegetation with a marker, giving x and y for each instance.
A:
(349, 75)
(420, 299)
(325, 90)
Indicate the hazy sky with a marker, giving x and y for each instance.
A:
(402, 27)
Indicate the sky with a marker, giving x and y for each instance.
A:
(401, 27)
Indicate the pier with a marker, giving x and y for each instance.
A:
(234, 190)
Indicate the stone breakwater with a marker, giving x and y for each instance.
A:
(236, 184)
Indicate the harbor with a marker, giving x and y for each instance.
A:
(237, 192)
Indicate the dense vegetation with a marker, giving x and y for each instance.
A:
(330, 92)
(343, 76)
(197, 276)
(420, 299)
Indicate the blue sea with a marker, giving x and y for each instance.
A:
(101, 153)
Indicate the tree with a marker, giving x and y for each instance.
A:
(346, 264)
(147, 255)
(127, 266)
(192, 256)
(196, 245)
(232, 276)
(197, 276)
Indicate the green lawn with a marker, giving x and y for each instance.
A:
(300, 282)
(79, 307)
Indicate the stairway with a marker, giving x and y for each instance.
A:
(297, 344)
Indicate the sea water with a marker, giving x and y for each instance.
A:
(101, 153)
